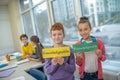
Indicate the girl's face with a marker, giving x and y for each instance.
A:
(57, 36)
(24, 40)
(33, 43)
(84, 31)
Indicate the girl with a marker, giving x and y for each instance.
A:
(38, 49)
(90, 67)
(37, 73)
(59, 68)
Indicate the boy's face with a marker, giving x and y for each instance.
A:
(24, 40)
(57, 36)
(84, 30)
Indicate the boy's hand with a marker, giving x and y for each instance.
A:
(54, 61)
(29, 55)
(98, 53)
(79, 57)
(60, 60)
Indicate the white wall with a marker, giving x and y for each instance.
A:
(6, 39)
(15, 21)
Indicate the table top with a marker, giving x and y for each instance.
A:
(21, 69)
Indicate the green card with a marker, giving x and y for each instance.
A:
(85, 47)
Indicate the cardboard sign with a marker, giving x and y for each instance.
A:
(85, 47)
(55, 52)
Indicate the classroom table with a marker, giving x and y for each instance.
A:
(21, 69)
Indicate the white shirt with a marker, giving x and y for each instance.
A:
(91, 63)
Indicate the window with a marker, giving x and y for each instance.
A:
(24, 4)
(41, 22)
(27, 24)
(34, 2)
(63, 11)
(104, 20)
(35, 19)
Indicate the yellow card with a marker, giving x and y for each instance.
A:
(55, 52)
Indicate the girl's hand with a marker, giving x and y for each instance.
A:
(79, 57)
(60, 60)
(54, 61)
(98, 53)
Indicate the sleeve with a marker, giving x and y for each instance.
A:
(102, 47)
(78, 62)
(69, 66)
(31, 48)
(49, 67)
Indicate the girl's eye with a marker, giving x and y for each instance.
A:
(86, 29)
(80, 30)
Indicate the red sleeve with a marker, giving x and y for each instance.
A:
(101, 47)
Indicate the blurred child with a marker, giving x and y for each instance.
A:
(59, 68)
(38, 49)
(27, 47)
(90, 67)
(37, 73)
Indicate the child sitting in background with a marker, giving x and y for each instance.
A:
(38, 49)
(27, 47)
(37, 73)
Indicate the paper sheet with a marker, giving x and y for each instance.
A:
(6, 73)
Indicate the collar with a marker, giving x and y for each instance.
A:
(84, 42)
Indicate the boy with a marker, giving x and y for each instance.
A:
(59, 68)
(27, 48)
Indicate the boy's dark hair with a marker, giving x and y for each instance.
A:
(57, 26)
(84, 19)
(23, 35)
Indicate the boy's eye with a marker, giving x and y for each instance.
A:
(54, 34)
(59, 34)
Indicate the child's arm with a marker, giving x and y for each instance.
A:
(79, 58)
(101, 50)
(49, 67)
